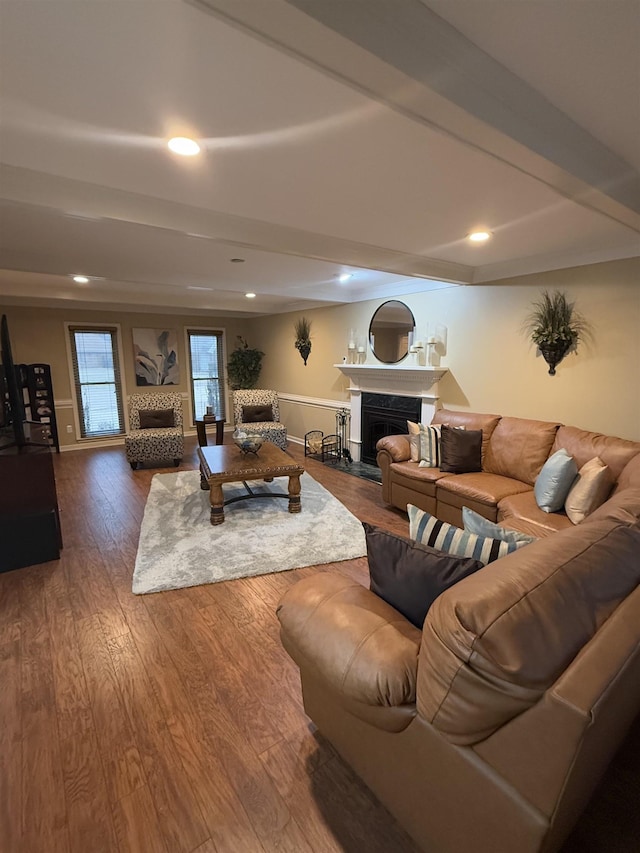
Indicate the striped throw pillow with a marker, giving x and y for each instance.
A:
(425, 446)
(430, 531)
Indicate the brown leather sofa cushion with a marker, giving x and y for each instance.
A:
(630, 475)
(496, 641)
(515, 510)
(519, 448)
(419, 477)
(486, 488)
(583, 446)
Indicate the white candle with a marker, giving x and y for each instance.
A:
(360, 349)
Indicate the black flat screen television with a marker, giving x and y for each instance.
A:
(13, 417)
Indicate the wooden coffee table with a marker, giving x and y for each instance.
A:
(227, 464)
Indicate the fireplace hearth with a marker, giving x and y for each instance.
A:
(385, 414)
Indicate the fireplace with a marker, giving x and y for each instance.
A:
(404, 385)
(385, 414)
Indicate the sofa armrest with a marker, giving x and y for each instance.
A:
(391, 448)
(361, 646)
(397, 447)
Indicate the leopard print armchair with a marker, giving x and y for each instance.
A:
(248, 403)
(154, 440)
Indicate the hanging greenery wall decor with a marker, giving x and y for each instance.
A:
(555, 327)
(244, 365)
(303, 338)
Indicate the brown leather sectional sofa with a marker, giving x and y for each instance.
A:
(513, 453)
(488, 730)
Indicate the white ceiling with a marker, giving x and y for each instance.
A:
(367, 136)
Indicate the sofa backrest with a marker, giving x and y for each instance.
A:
(630, 475)
(497, 640)
(469, 420)
(519, 447)
(583, 446)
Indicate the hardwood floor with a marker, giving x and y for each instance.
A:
(166, 722)
(172, 722)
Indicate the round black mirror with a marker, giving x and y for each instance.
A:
(390, 330)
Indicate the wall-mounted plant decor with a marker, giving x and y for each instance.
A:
(244, 365)
(555, 327)
(303, 338)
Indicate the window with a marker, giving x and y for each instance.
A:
(97, 380)
(206, 371)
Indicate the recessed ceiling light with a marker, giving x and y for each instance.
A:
(184, 146)
(81, 279)
(479, 236)
(237, 260)
(250, 295)
(344, 277)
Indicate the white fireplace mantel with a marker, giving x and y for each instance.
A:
(411, 381)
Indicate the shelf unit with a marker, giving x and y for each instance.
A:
(37, 395)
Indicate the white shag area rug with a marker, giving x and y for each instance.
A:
(179, 547)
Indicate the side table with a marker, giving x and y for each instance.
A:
(201, 429)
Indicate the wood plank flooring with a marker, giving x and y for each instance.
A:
(173, 722)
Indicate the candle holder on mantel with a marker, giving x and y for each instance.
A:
(416, 350)
(433, 356)
(354, 347)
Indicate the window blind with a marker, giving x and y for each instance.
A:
(207, 372)
(98, 381)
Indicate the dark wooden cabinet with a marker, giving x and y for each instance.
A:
(29, 518)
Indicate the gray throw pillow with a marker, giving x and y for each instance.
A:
(554, 481)
(410, 576)
(481, 526)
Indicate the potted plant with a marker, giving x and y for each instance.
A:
(555, 327)
(244, 365)
(303, 338)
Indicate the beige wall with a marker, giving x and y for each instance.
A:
(38, 335)
(492, 366)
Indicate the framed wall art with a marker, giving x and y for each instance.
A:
(156, 357)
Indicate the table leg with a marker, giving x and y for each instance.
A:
(294, 493)
(217, 503)
(204, 483)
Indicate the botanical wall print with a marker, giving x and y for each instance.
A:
(156, 356)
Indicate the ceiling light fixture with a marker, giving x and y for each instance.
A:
(479, 236)
(183, 146)
(81, 279)
(345, 276)
(237, 260)
(250, 295)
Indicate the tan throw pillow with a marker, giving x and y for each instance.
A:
(590, 490)
(414, 440)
